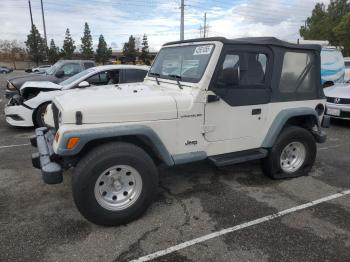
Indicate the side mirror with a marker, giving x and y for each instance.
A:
(83, 84)
(59, 73)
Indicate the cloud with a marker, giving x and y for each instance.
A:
(159, 19)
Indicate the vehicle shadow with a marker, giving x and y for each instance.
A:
(340, 122)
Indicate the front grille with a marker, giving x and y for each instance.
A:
(338, 100)
(55, 115)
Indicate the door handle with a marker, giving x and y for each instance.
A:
(256, 111)
(212, 98)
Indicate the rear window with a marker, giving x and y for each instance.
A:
(298, 74)
(134, 75)
(88, 65)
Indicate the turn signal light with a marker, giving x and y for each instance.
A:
(72, 142)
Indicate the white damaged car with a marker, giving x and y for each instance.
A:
(28, 108)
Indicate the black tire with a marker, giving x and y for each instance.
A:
(328, 84)
(92, 165)
(272, 166)
(38, 115)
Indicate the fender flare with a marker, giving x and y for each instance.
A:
(113, 132)
(280, 121)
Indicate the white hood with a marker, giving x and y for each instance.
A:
(41, 85)
(121, 103)
(338, 90)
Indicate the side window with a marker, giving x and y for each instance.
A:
(71, 69)
(94, 79)
(134, 75)
(297, 75)
(242, 70)
(104, 78)
(88, 65)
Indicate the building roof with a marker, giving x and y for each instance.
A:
(251, 40)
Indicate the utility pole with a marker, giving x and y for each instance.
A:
(205, 24)
(30, 11)
(182, 20)
(42, 13)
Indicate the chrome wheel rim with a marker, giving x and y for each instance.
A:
(118, 187)
(292, 157)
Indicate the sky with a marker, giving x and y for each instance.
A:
(158, 19)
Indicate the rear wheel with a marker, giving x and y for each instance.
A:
(114, 184)
(292, 155)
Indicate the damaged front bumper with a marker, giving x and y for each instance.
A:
(45, 159)
(17, 113)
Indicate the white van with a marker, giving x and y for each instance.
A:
(347, 69)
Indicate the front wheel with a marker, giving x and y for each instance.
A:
(39, 115)
(114, 184)
(292, 155)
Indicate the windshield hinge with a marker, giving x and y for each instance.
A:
(208, 129)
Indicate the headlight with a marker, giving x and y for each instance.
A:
(59, 118)
(10, 86)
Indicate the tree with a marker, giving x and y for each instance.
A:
(316, 25)
(12, 50)
(129, 50)
(86, 43)
(342, 32)
(323, 23)
(68, 46)
(36, 45)
(103, 53)
(145, 50)
(53, 52)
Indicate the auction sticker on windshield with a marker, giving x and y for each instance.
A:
(203, 50)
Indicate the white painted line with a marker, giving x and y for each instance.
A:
(335, 146)
(9, 146)
(238, 227)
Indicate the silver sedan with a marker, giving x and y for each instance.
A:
(338, 101)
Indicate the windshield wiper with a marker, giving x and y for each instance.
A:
(178, 78)
(156, 75)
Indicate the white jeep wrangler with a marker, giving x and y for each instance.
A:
(227, 101)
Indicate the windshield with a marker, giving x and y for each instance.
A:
(52, 70)
(77, 76)
(185, 63)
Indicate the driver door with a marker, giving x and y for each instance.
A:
(236, 108)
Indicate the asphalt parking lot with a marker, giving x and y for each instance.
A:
(39, 222)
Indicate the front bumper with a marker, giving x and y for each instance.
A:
(344, 110)
(44, 159)
(18, 115)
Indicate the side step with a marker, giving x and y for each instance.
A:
(238, 157)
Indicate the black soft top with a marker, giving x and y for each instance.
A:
(252, 40)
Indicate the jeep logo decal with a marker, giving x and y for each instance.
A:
(189, 143)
